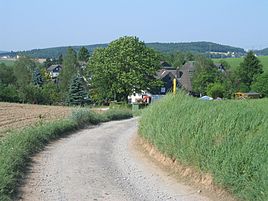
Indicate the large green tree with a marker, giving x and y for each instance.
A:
(23, 70)
(7, 74)
(248, 71)
(126, 66)
(69, 69)
(83, 54)
(205, 74)
(260, 85)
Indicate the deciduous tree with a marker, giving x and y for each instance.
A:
(126, 66)
(260, 85)
(70, 68)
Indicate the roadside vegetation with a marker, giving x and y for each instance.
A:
(227, 139)
(17, 148)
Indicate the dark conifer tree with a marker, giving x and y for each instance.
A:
(77, 91)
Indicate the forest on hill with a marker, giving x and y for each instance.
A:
(166, 48)
(263, 52)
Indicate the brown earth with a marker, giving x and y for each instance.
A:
(17, 116)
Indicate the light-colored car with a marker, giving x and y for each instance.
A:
(206, 98)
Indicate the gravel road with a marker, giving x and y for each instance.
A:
(101, 163)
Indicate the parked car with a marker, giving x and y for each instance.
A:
(206, 98)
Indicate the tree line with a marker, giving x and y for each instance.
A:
(28, 81)
(124, 67)
(247, 77)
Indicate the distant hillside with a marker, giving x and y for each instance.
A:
(263, 52)
(1, 51)
(195, 47)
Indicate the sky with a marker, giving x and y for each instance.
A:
(34, 24)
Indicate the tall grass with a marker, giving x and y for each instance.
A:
(17, 148)
(228, 139)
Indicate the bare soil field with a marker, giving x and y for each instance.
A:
(17, 116)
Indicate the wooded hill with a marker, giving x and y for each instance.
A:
(263, 52)
(194, 47)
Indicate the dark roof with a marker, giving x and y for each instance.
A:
(187, 72)
(164, 64)
(252, 93)
(52, 67)
(164, 72)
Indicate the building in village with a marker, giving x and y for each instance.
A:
(54, 70)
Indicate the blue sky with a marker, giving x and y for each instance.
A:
(29, 24)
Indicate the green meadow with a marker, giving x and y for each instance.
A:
(234, 62)
(7, 62)
(227, 139)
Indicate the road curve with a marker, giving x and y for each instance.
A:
(100, 163)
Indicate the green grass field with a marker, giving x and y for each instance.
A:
(7, 62)
(234, 62)
(227, 139)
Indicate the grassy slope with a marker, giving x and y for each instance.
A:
(17, 148)
(234, 62)
(227, 139)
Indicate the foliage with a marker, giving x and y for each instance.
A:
(124, 67)
(37, 78)
(7, 74)
(216, 90)
(205, 74)
(8, 93)
(260, 85)
(83, 54)
(178, 59)
(77, 92)
(17, 148)
(227, 139)
(69, 70)
(51, 93)
(23, 69)
(248, 71)
(31, 94)
(117, 114)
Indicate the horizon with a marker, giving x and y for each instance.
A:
(117, 38)
(67, 23)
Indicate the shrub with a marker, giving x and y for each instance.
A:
(118, 114)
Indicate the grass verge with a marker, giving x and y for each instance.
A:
(227, 139)
(17, 148)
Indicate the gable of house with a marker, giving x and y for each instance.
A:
(185, 75)
(54, 70)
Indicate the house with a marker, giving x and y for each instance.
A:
(54, 70)
(185, 76)
(166, 74)
(220, 67)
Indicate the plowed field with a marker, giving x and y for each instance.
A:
(16, 116)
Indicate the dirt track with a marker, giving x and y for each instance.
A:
(101, 164)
